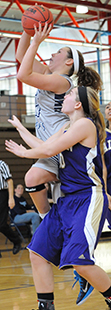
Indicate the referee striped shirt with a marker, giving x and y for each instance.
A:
(4, 175)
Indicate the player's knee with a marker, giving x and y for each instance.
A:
(33, 177)
(29, 179)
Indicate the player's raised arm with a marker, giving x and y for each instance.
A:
(29, 64)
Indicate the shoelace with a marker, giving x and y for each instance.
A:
(77, 278)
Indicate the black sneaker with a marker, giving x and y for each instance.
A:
(108, 301)
(85, 288)
(46, 305)
(16, 248)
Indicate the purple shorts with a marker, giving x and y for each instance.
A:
(70, 232)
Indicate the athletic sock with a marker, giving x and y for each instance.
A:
(107, 295)
(42, 215)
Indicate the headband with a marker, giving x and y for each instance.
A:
(82, 91)
(76, 61)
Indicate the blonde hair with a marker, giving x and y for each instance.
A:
(96, 115)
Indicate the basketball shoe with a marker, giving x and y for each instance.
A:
(85, 288)
(108, 301)
(46, 305)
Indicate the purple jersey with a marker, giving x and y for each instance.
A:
(81, 168)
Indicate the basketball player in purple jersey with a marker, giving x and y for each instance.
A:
(52, 81)
(71, 230)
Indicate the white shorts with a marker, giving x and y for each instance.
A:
(52, 165)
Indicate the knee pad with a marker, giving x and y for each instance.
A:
(36, 188)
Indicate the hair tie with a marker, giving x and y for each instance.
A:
(98, 110)
(76, 61)
(82, 91)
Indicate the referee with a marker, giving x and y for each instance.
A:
(6, 202)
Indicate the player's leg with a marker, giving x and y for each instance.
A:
(35, 179)
(45, 249)
(44, 281)
(85, 287)
(98, 279)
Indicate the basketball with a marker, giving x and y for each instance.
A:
(35, 14)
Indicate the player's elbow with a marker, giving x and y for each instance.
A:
(24, 77)
(20, 77)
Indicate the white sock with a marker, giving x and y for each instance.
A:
(42, 215)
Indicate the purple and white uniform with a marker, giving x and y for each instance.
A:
(70, 232)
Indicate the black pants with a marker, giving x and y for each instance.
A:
(4, 227)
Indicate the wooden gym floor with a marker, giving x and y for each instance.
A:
(17, 291)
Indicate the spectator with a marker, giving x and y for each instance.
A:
(6, 202)
(22, 212)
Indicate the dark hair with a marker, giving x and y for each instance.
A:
(18, 184)
(70, 55)
(107, 124)
(86, 76)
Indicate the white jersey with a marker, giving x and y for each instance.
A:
(48, 116)
(48, 120)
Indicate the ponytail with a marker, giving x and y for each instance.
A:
(87, 76)
(96, 115)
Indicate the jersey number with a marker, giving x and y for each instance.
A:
(61, 161)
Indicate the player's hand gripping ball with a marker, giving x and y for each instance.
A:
(34, 15)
